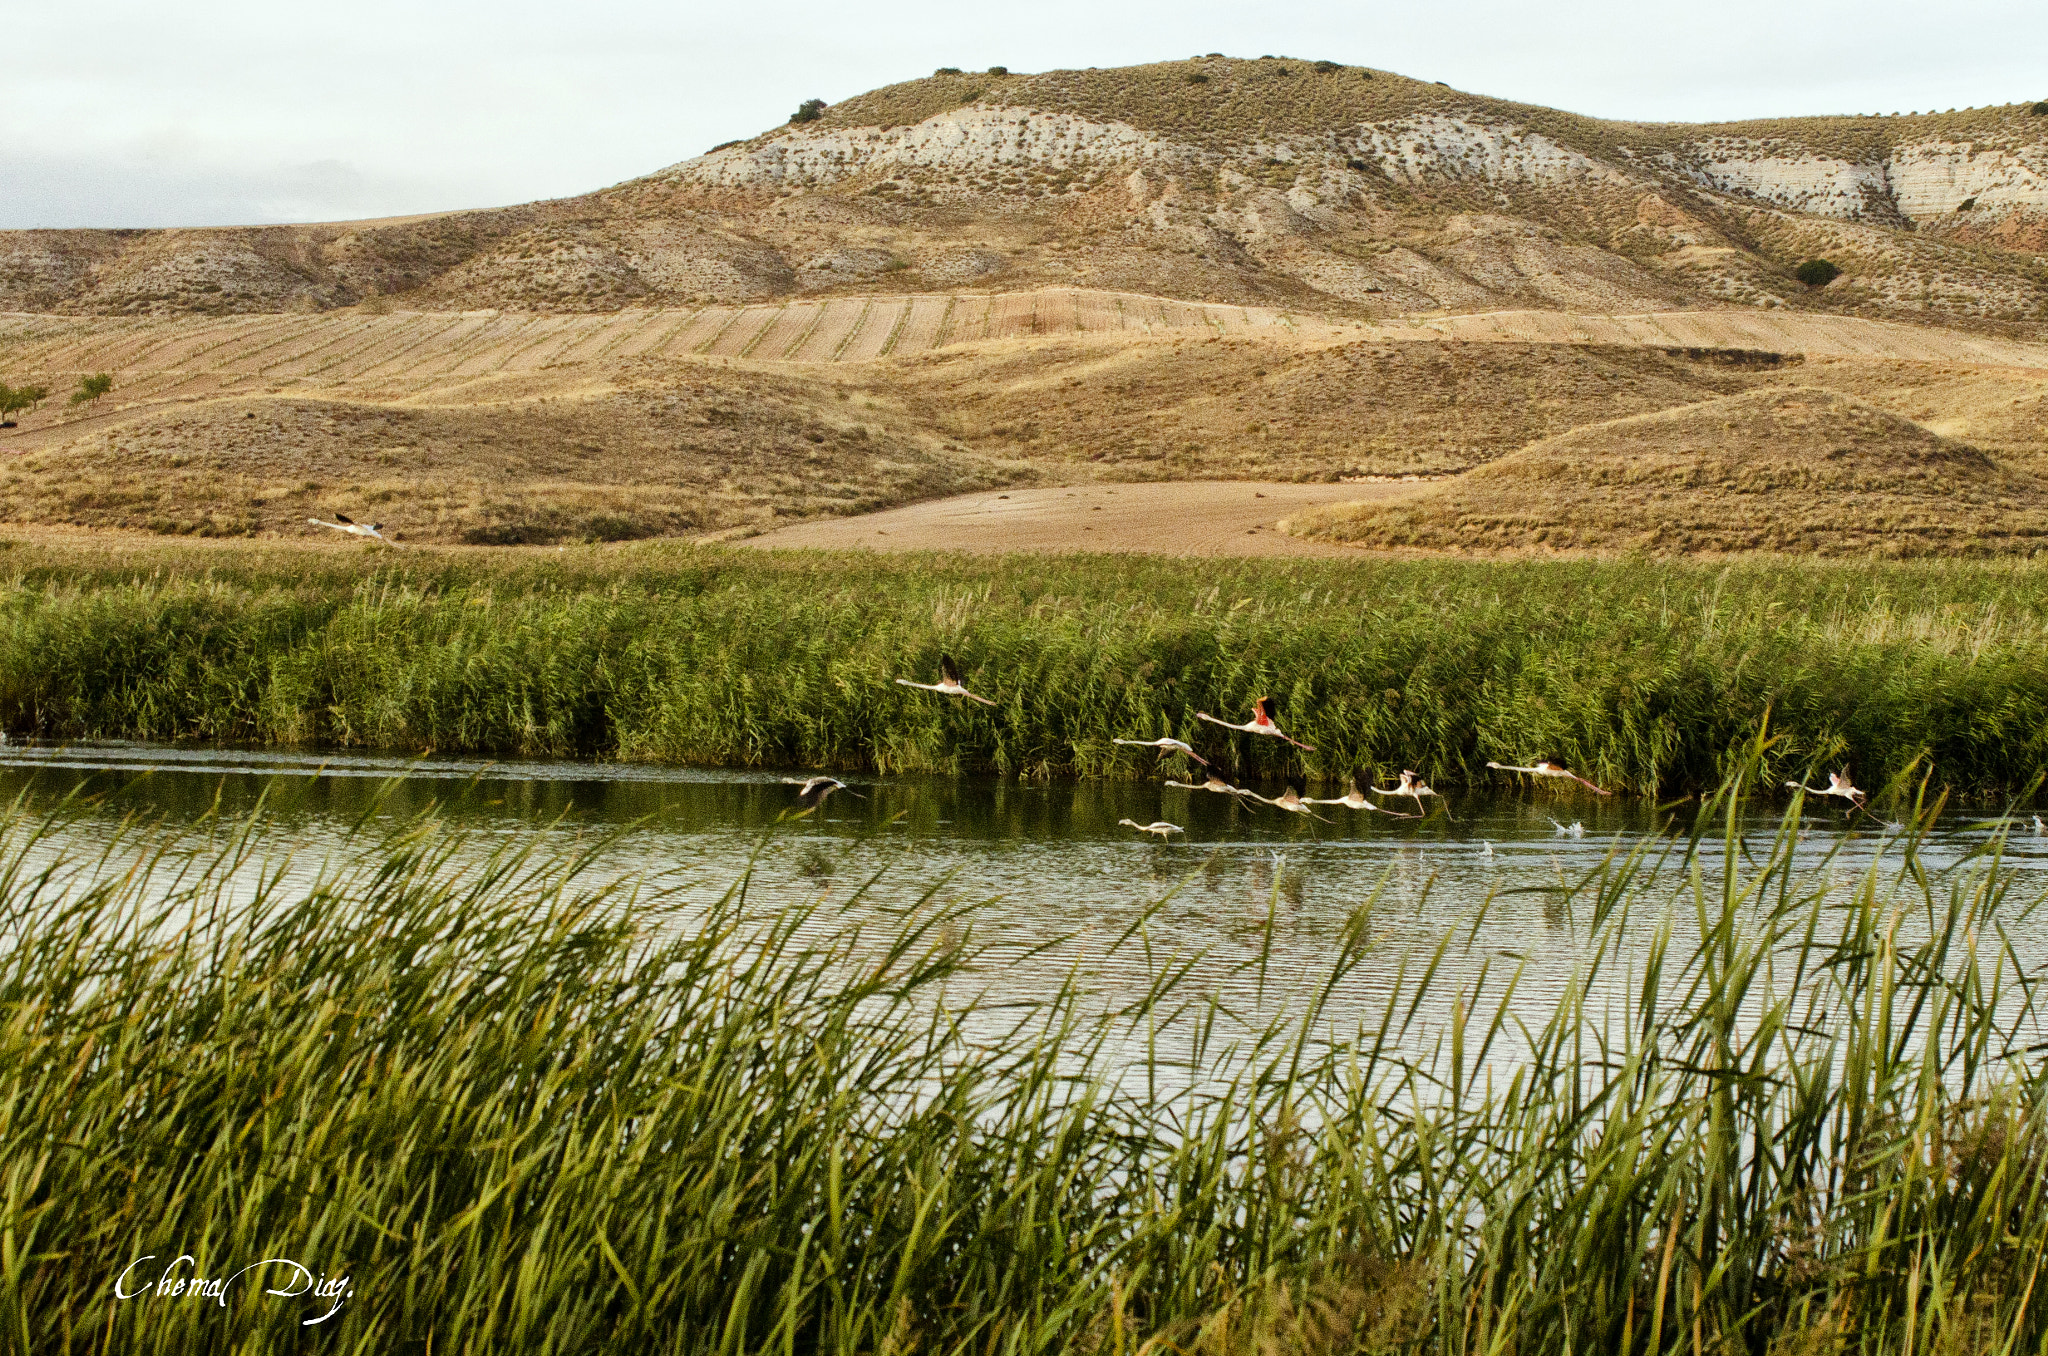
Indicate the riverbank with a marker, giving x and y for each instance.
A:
(1643, 674)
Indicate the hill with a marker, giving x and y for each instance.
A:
(1304, 184)
(1789, 469)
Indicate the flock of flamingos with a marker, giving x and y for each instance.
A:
(813, 790)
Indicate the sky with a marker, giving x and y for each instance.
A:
(225, 112)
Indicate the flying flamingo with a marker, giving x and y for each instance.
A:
(1158, 826)
(1289, 800)
(1211, 782)
(343, 523)
(1165, 744)
(815, 789)
(1355, 799)
(1838, 785)
(1543, 767)
(1411, 786)
(1260, 723)
(949, 682)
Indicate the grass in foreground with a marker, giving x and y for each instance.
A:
(1642, 674)
(525, 1111)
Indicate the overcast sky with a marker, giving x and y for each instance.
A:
(216, 112)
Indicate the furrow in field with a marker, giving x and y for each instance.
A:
(840, 318)
(697, 335)
(429, 341)
(655, 335)
(746, 327)
(869, 336)
(251, 353)
(602, 338)
(318, 348)
(1013, 314)
(544, 342)
(1097, 312)
(391, 340)
(920, 328)
(474, 353)
(788, 330)
(378, 333)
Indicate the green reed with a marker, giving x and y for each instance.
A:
(1642, 673)
(525, 1106)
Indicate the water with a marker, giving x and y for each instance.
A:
(1264, 896)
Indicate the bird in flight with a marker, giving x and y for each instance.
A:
(814, 790)
(1572, 830)
(1410, 786)
(1158, 826)
(1290, 800)
(1355, 799)
(1543, 767)
(949, 682)
(1261, 723)
(1165, 744)
(1838, 785)
(1211, 782)
(343, 523)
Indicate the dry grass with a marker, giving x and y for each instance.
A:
(685, 455)
(1796, 469)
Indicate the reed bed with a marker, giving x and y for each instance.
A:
(1642, 674)
(521, 1105)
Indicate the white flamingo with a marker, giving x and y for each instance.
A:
(343, 523)
(949, 682)
(1290, 800)
(1572, 830)
(1211, 782)
(1158, 826)
(814, 790)
(1261, 723)
(1411, 786)
(1354, 799)
(1838, 785)
(1543, 767)
(1165, 744)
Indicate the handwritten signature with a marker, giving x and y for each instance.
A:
(171, 1285)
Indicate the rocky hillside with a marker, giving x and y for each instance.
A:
(1296, 183)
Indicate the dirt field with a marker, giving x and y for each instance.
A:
(1186, 518)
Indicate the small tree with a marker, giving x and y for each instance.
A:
(810, 110)
(35, 394)
(92, 388)
(11, 401)
(1816, 273)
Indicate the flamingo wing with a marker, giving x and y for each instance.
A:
(949, 672)
(1262, 711)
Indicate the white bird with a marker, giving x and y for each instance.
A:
(343, 523)
(1355, 799)
(1158, 826)
(1165, 744)
(1572, 830)
(1543, 767)
(949, 682)
(1290, 800)
(1260, 723)
(1411, 786)
(1486, 847)
(2039, 827)
(1211, 783)
(1838, 785)
(815, 789)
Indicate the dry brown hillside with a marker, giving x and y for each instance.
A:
(1787, 469)
(1308, 184)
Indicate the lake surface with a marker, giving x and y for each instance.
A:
(1254, 890)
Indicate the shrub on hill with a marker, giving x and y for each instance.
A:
(810, 110)
(947, 70)
(1197, 78)
(1325, 67)
(2040, 110)
(999, 70)
(1816, 273)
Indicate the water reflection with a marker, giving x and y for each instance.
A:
(1248, 886)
